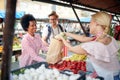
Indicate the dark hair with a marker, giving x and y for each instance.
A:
(25, 21)
(53, 13)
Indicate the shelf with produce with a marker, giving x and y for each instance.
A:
(16, 48)
(16, 45)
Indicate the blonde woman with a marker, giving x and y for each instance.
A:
(101, 50)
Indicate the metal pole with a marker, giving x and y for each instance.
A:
(78, 20)
(8, 34)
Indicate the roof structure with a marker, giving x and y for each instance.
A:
(112, 6)
(69, 20)
(18, 14)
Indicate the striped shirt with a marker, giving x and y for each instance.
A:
(30, 50)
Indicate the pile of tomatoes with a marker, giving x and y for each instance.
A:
(74, 66)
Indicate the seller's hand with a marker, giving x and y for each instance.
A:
(58, 37)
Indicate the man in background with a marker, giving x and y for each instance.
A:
(52, 29)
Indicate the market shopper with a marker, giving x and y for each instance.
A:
(101, 50)
(51, 29)
(31, 42)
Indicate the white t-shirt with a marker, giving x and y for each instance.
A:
(54, 32)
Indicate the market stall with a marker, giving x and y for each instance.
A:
(7, 48)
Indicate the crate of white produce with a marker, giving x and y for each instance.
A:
(41, 71)
(34, 66)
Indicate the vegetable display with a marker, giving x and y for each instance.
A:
(43, 73)
(74, 66)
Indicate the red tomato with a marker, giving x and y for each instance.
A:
(61, 68)
(75, 71)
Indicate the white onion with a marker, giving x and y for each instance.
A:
(43, 73)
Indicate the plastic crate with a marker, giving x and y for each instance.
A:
(21, 70)
(82, 74)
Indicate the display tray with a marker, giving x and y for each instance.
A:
(35, 66)
(66, 72)
(82, 77)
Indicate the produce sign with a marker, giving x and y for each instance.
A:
(74, 66)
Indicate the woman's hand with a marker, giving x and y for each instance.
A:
(60, 36)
